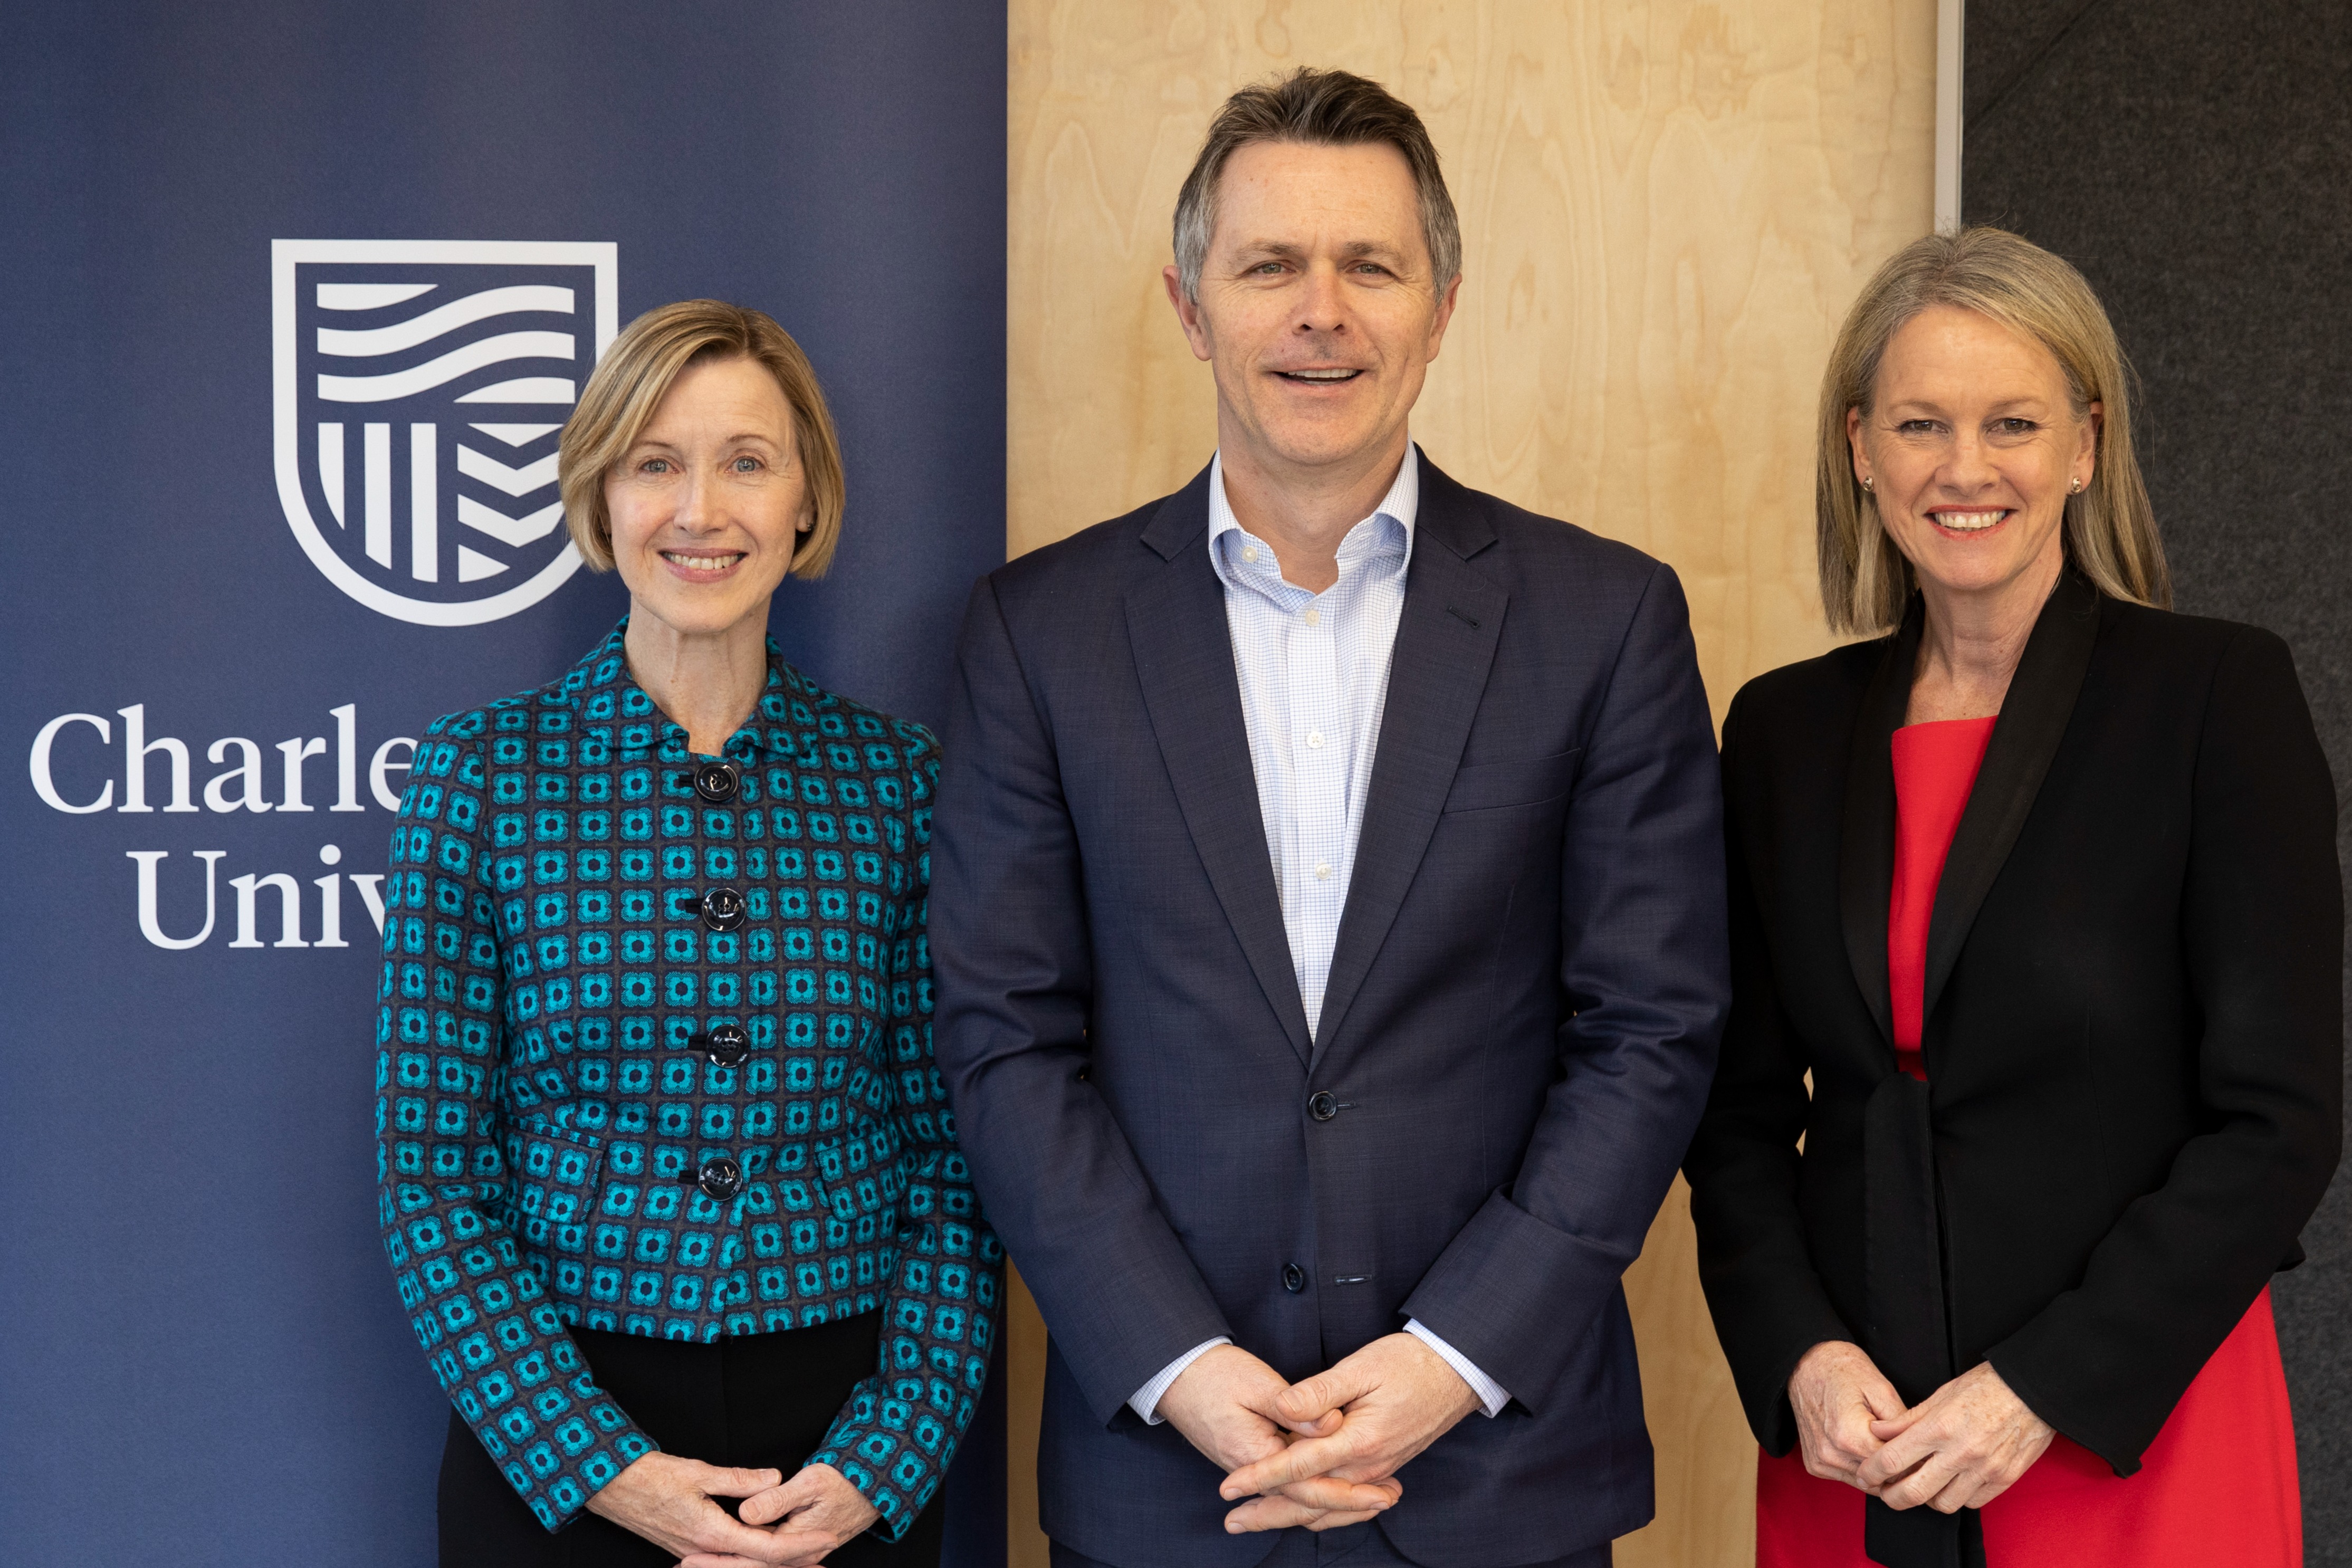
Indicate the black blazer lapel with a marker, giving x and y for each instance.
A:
(2025, 738)
(1444, 645)
(1866, 851)
(1184, 657)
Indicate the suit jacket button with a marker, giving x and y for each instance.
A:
(716, 781)
(1294, 1277)
(722, 1177)
(723, 909)
(1322, 1105)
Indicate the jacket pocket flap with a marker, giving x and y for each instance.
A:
(1485, 786)
(555, 1169)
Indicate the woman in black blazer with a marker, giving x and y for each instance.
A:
(2037, 935)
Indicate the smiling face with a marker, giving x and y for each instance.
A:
(710, 501)
(1971, 449)
(1317, 308)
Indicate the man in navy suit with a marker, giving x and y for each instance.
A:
(1326, 910)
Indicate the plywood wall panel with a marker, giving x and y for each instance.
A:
(1665, 207)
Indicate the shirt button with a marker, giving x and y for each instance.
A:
(723, 909)
(722, 1177)
(716, 781)
(1313, 618)
(1323, 871)
(1249, 553)
(1294, 1277)
(1322, 1105)
(1315, 740)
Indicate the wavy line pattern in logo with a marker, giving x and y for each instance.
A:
(400, 336)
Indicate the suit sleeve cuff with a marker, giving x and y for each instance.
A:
(1491, 1394)
(1146, 1400)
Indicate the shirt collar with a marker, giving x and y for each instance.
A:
(1382, 543)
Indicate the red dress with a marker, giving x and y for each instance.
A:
(2218, 1487)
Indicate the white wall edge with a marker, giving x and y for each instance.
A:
(1950, 22)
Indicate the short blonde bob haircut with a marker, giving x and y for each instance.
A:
(2110, 528)
(635, 374)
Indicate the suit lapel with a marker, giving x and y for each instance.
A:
(1446, 641)
(1184, 657)
(1866, 849)
(2025, 738)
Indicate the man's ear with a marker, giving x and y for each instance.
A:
(1438, 323)
(1188, 313)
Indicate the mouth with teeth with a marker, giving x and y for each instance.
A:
(1975, 520)
(1318, 377)
(702, 564)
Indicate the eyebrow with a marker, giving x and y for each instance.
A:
(1354, 249)
(726, 441)
(2030, 399)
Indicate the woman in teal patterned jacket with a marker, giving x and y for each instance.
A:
(666, 1175)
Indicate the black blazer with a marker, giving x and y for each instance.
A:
(2134, 1015)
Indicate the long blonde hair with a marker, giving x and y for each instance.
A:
(2110, 528)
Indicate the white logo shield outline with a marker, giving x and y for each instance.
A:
(286, 256)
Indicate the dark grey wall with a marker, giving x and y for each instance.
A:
(2195, 161)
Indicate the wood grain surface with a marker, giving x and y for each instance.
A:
(1666, 209)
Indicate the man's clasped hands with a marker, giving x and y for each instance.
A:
(1322, 1452)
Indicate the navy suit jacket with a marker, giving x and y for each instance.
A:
(1521, 1024)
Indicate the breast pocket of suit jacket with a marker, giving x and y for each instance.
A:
(1502, 786)
(555, 1172)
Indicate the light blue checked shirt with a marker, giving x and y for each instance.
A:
(1314, 674)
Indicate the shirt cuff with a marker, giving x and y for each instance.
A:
(1491, 1394)
(1146, 1402)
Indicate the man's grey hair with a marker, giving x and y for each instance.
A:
(1320, 109)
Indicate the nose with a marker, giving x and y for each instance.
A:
(1322, 308)
(697, 510)
(1968, 468)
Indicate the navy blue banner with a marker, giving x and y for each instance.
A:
(297, 299)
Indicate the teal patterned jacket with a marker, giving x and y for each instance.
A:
(654, 1057)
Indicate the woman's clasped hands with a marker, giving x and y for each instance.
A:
(1961, 1446)
(781, 1523)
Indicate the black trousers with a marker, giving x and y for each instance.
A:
(756, 1401)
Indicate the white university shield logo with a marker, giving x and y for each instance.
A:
(418, 387)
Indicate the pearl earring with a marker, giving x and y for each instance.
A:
(1865, 482)
(2076, 488)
